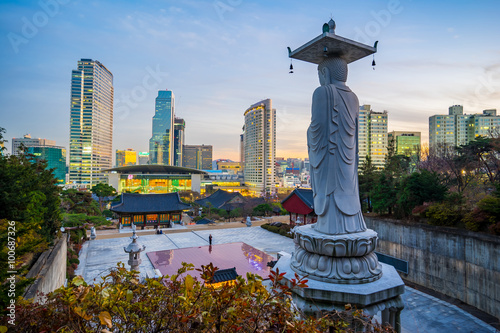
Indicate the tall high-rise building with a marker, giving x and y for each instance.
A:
(457, 128)
(179, 126)
(197, 157)
(143, 158)
(28, 141)
(55, 157)
(260, 147)
(161, 143)
(126, 157)
(372, 136)
(91, 123)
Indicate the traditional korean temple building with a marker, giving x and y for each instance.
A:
(223, 199)
(300, 206)
(150, 209)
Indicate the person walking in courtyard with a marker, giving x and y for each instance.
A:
(210, 239)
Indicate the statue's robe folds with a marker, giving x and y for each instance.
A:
(333, 156)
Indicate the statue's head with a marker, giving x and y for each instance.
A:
(332, 69)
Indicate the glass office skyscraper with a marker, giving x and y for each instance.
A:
(55, 157)
(91, 123)
(179, 126)
(161, 142)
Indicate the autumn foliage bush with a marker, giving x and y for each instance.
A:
(177, 303)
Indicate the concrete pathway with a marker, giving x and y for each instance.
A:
(422, 313)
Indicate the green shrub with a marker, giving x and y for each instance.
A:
(443, 214)
(74, 261)
(283, 230)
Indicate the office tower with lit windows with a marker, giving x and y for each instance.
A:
(161, 142)
(457, 129)
(197, 157)
(126, 157)
(260, 148)
(372, 136)
(179, 126)
(91, 123)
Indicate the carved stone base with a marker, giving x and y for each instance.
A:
(349, 270)
(344, 259)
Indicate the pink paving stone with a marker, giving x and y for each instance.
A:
(244, 257)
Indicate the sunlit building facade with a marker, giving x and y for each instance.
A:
(260, 147)
(372, 136)
(126, 157)
(161, 142)
(91, 123)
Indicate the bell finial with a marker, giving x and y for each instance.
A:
(332, 26)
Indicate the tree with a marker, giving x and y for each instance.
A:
(177, 303)
(367, 176)
(103, 192)
(2, 141)
(79, 202)
(262, 209)
(30, 215)
(237, 212)
(483, 156)
(419, 187)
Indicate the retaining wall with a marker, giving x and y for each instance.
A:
(458, 263)
(49, 271)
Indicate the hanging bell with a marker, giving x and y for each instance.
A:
(291, 69)
(373, 64)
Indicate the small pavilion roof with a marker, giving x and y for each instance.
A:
(306, 195)
(149, 203)
(219, 198)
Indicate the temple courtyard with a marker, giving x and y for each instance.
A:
(422, 313)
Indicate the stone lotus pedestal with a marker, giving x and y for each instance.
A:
(342, 269)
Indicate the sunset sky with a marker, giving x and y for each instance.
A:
(221, 56)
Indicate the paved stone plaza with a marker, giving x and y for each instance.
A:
(422, 313)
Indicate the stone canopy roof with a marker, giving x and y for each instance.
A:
(150, 203)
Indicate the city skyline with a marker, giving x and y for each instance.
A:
(430, 56)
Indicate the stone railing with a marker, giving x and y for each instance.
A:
(458, 263)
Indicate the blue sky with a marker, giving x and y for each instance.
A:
(221, 56)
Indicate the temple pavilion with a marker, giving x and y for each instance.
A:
(300, 205)
(154, 210)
